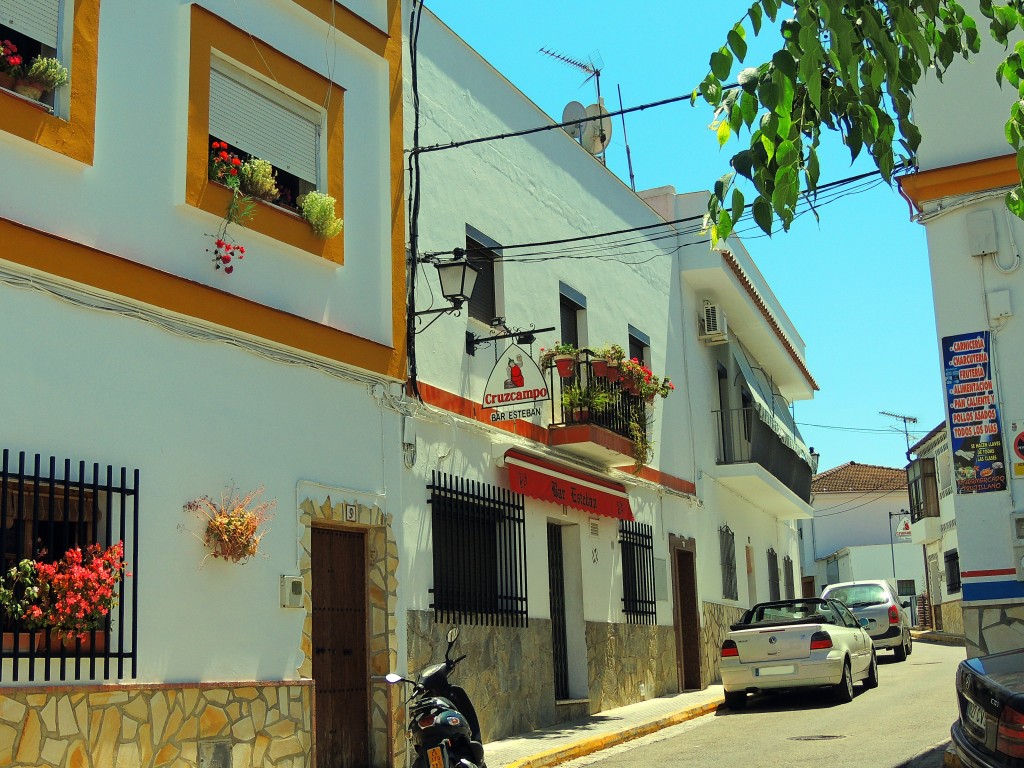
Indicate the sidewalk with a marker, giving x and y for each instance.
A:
(934, 636)
(549, 746)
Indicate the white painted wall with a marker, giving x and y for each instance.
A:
(193, 416)
(131, 200)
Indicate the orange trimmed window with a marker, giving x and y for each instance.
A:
(266, 105)
(62, 119)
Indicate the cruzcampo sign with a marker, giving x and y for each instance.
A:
(515, 386)
(975, 440)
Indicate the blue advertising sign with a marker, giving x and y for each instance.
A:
(973, 414)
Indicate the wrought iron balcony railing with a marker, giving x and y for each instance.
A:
(593, 395)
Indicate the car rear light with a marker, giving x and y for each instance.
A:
(1011, 733)
(425, 721)
(894, 614)
(729, 649)
(821, 641)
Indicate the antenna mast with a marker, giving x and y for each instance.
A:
(906, 420)
(592, 68)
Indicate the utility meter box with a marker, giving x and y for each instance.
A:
(291, 591)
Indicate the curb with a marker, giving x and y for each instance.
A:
(938, 638)
(587, 746)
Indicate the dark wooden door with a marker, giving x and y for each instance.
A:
(340, 664)
(687, 620)
(556, 584)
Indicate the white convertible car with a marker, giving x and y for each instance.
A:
(797, 644)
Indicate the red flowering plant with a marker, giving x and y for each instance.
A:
(644, 381)
(77, 592)
(225, 168)
(10, 61)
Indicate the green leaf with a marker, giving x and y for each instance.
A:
(723, 133)
(1015, 201)
(771, 8)
(748, 108)
(737, 204)
(762, 211)
(724, 226)
(812, 170)
(721, 63)
(786, 154)
(722, 186)
(755, 18)
(736, 42)
(784, 62)
(743, 163)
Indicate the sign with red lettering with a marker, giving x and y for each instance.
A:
(547, 481)
(973, 414)
(515, 386)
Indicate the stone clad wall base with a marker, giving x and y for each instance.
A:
(714, 626)
(508, 670)
(952, 614)
(254, 723)
(629, 663)
(992, 628)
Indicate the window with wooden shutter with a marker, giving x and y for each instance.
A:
(483, 303)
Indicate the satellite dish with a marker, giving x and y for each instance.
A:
(597, 134)
(573, 111)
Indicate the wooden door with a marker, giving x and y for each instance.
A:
(687, 620)
(340, 661)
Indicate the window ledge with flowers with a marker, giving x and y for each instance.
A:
(252, 180)
(34, 80)
(68, 599)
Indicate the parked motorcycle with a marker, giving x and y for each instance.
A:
(443, 724)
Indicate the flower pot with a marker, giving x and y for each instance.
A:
(649, 398)
(29, 89)
(71, 647)
(26, 641)
(6, 81)
(612, 373)
(566, 365)
(600, 367)
(629, 384)
(581, 414)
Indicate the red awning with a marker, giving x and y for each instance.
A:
(548, 481)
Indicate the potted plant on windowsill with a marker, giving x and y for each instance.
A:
(10, 64)
(580, 401)
(318, 209)
(43, 75)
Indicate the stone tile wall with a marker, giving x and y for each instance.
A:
(952, 614)
(629, 663)
(991, 629)
(714, 626)
(245, 725)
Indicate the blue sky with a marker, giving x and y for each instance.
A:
(855, 284)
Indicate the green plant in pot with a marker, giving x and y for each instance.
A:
(639, 431)
(318, 209)
(580, 401)
(256, 179)
(44, 74)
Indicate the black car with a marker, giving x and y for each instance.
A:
(990, 696)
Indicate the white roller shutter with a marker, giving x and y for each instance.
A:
(35, 18)
(263, 127)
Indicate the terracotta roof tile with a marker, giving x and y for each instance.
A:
(859, 477)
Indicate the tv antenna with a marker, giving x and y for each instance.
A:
(594, 135)
(906, 420)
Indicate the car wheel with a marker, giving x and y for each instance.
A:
(871, 681)
(910, 644)
(901, 651)
(736, 699)
(843, 690)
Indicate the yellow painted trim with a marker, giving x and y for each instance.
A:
(962, 179)
(209, 32)
(88, 266)
(393, 55)
(75, 137)
(344, 20)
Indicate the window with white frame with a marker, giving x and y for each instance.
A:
(257, 120)
(30, 29)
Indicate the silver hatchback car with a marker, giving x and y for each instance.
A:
(876, 601)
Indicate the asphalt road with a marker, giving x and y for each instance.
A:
(902, 723)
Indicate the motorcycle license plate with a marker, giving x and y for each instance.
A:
(436, 757)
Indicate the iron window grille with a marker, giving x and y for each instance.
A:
(952, 559)
(787, 573)
(636, 540)
(479, 553)
(727, 550)
(906, 587)
(773, 575)
(43, 514)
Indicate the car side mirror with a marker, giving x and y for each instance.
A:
(905, 603)
(864, 622)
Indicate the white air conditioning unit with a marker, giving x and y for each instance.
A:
(713, 327)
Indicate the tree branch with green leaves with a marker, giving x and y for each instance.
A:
(848, 66)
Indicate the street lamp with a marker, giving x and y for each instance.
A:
(457, 278)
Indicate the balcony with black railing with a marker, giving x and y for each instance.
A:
(758, 459)
(593, 412)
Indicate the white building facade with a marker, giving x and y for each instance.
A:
(154, 378)
(533, 527)
(966, 168)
